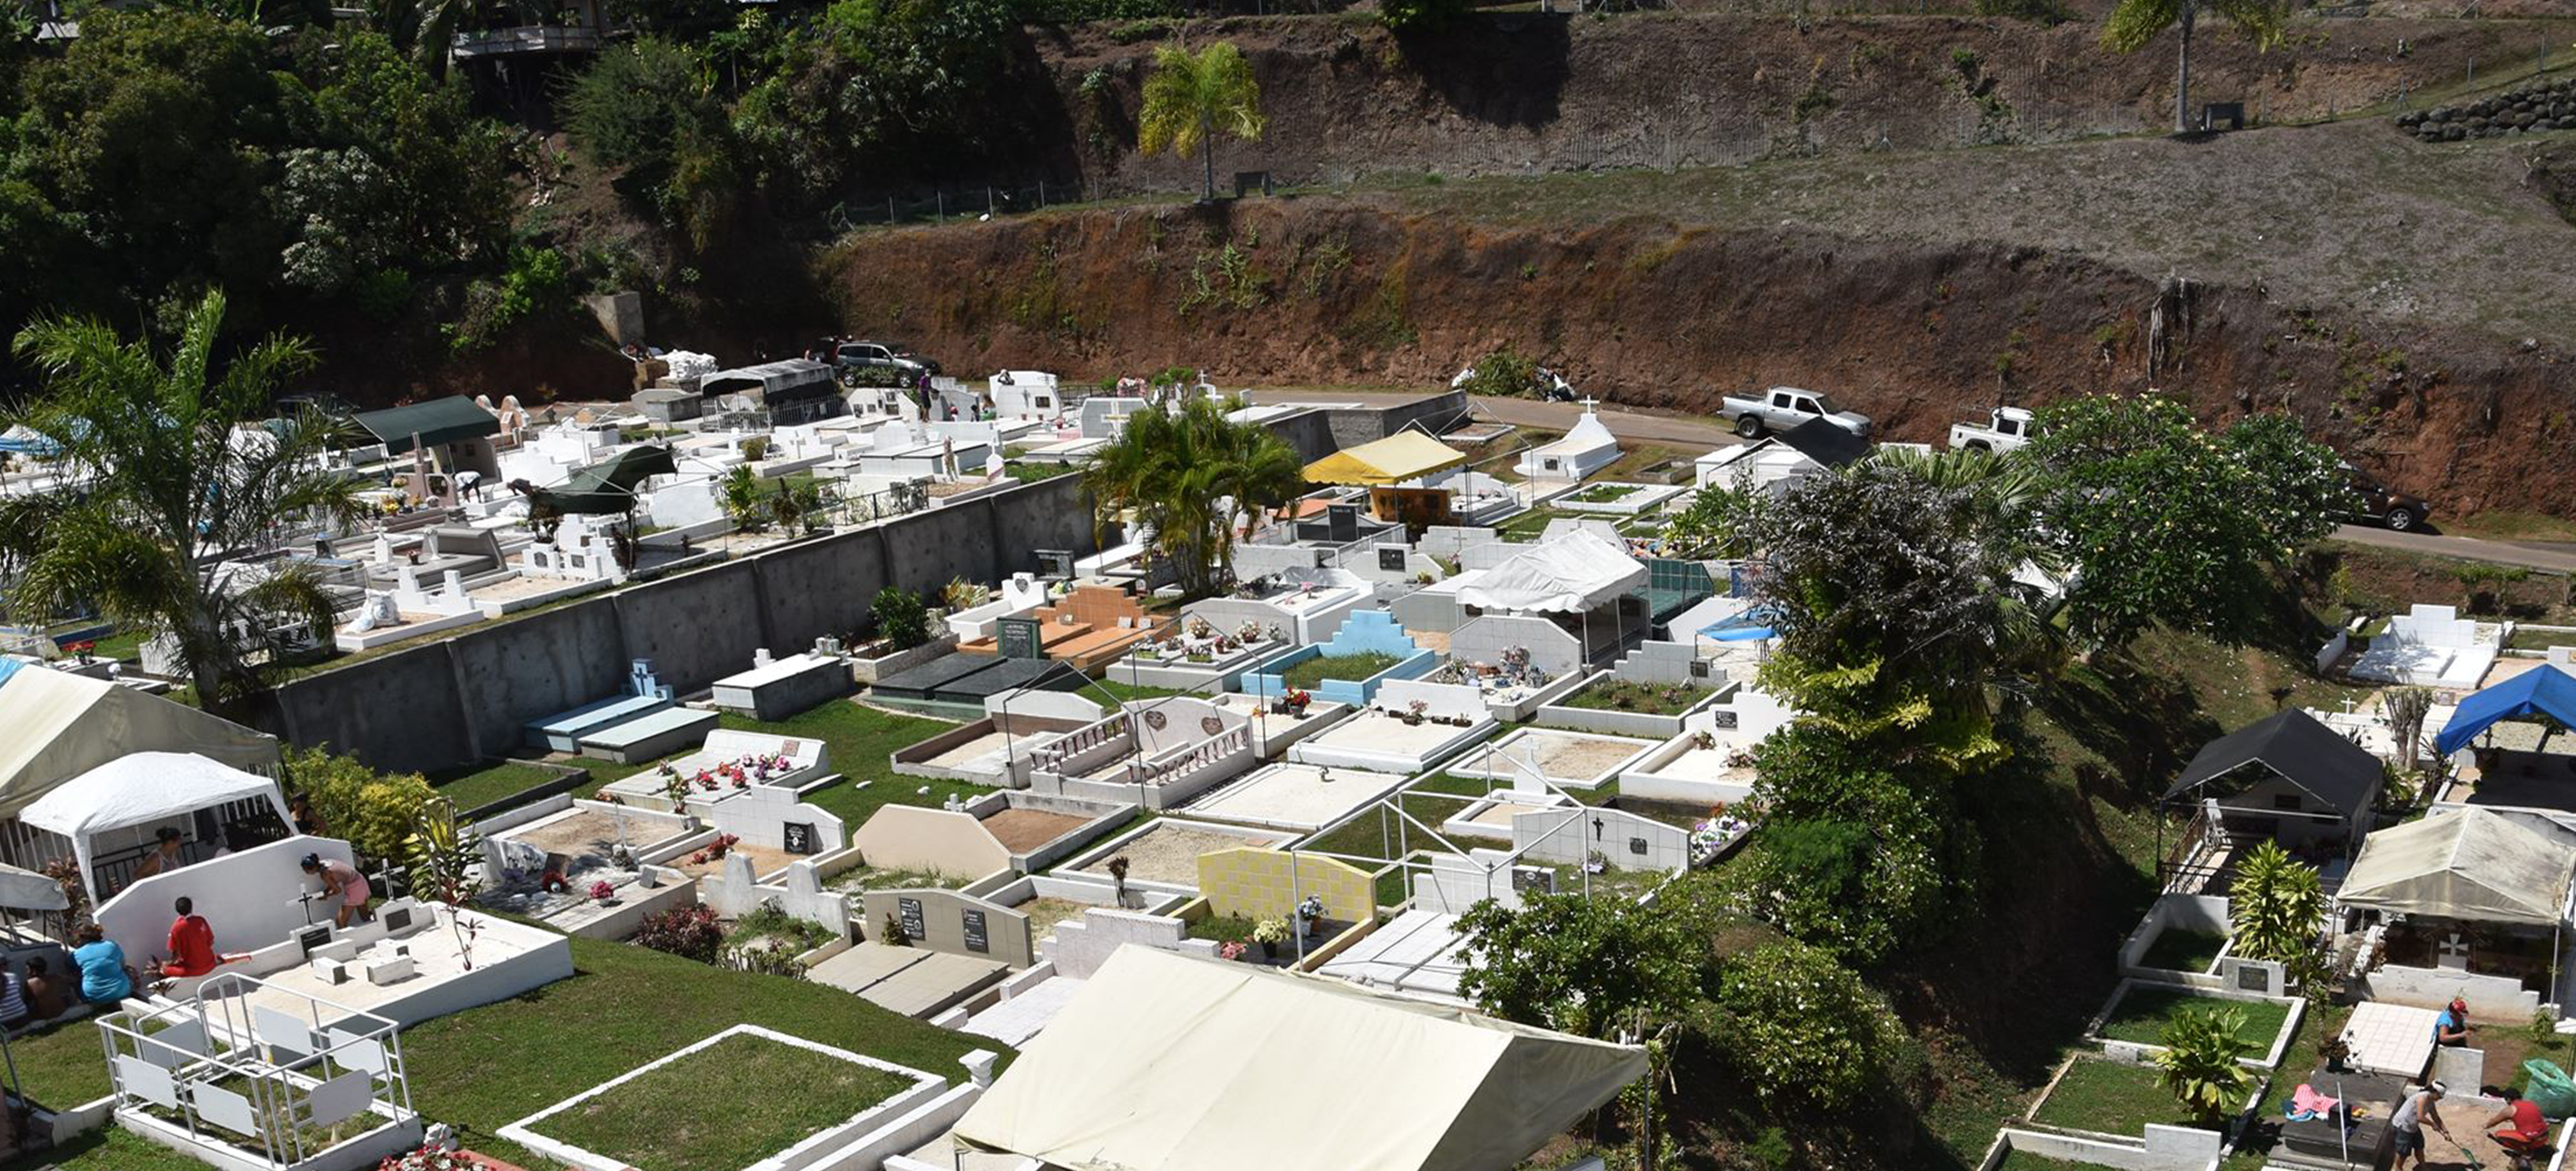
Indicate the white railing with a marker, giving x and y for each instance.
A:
(1054, 756)
(1179, 762)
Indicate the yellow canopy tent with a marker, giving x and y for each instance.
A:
(1402, 456)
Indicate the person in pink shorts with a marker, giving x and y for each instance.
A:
(341, 879)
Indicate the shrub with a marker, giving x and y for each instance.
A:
(1408, 15)
(2199, 1061)
(1502, 373)
(901, 618)
(2048, 12)
(755, 449)
(740, 496)
(374, 812)
(684, 931)
(2275, 905)
(1807, 1029)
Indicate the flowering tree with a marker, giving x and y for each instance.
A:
(1806, 1028)
(2172, 526)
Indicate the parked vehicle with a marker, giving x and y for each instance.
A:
(2005, 428)
(865, 363)
(2397, 511)
(1784, 407)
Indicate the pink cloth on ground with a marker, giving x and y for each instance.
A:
(2306, 1100)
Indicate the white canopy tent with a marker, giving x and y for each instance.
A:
(141, 789)
(2469, 864)
(1169, 1060)
(62, 725)
(1567, 574)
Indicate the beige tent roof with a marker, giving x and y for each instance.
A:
(1166, 1060)
(2471, 864)
(62, 725)
(1399, 457)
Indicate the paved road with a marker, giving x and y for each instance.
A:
(1706, 433)
(2546, 557)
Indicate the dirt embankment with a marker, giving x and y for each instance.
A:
(1313, 292)
(1511, 95)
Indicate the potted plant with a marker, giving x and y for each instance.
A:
(1703, 739)
(1270, 933)
(1413, 712)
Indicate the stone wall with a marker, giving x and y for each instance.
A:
(2545, 106)
(465, 698)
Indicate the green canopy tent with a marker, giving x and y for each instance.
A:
(606, 488)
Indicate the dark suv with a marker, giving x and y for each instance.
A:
(865, 363)
(2396, 510)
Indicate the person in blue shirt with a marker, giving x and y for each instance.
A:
(2452, 1027)
(104, 977)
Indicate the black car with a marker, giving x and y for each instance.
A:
(2397, 511)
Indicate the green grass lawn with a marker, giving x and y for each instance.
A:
(109, 1148)
(472, 789)
(1348, 668)
(1224, 929)
(2177, 950)
(724, 1107)
(2526, 639)
(489, 1066)
(2110, 1097)
(1528, 525)
(1602, 493)
(1621, 695)
(2144, 1012)
(2025, 1161)
(860, 739)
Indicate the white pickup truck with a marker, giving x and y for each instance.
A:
(2005, 428)
(1784, 407)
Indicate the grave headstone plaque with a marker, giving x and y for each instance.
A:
(1636, 845)
(1017, 637)
(2251, 978)
(978, 939)
(1054, 564)
(1390, 558)
(1721, 718)
(909, 911)
(1342, 522)
(797, 836)
(1533, 880)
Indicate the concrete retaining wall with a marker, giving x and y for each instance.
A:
(464, 698)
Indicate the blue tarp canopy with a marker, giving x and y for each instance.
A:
(2545, 690)
(1744, 627)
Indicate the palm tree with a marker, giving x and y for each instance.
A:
(1190, 99)
(1188, 473)
(2136, 22)
(166, 475)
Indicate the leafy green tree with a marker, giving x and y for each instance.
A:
(1897, 600)
(2168, 525)
(2200, 1062)
(2135, 23)
(169, 471)
(1586, 966)
(1194, 477)
(157, 130)
(739, 495)
(1807, 1030)
(1192, 99)
(1719, 522)
(1852, 857)
(638, 102)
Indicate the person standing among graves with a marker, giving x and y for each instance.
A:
(2410, 1120)
(13, 998)
(105, 979)
(343, 880)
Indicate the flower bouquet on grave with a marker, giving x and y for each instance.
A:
(1596, 862)
(602, 892)
(1270, 933)
(1413, 712)
(432, 1157)
(1231, 949)
(1200, 628)
(1298, 701)
(1248, 633)
(552, 881)
(674, 788)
